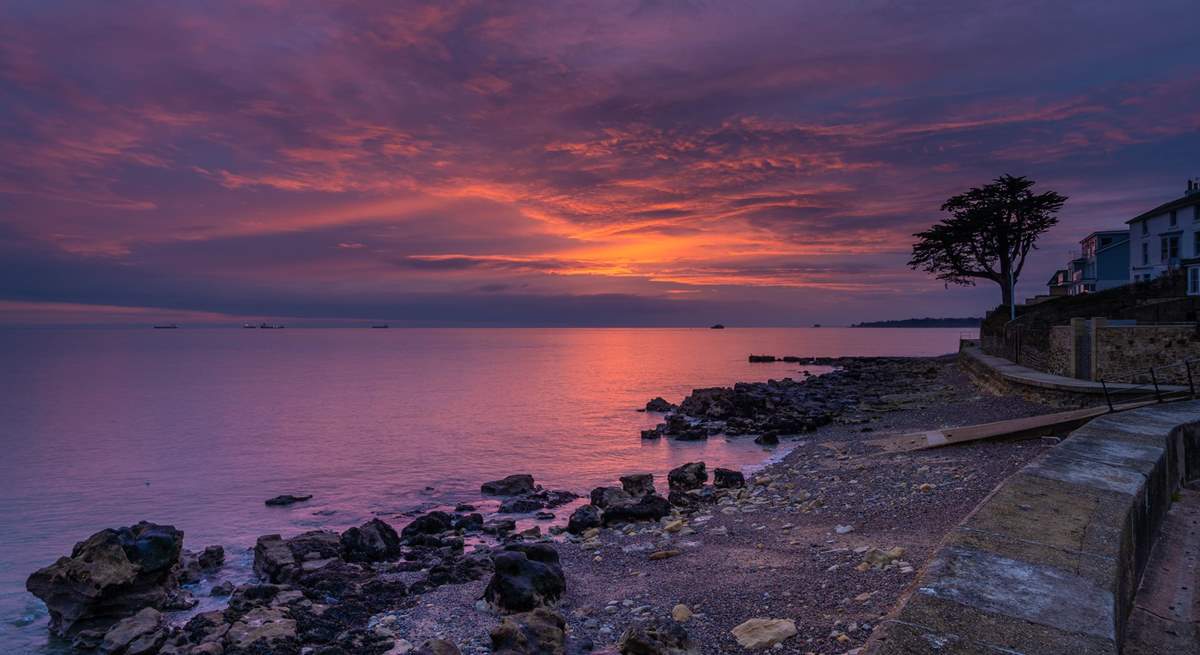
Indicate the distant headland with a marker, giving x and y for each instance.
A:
(924, 322)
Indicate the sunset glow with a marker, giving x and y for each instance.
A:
(629, 163)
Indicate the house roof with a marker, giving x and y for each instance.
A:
(1054, 279)
(1097, 233)
(1178, 203)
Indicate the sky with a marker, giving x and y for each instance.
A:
(653, 162)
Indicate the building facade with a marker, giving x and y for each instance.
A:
(1167, 238)
(1103, 262)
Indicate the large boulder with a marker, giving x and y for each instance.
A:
(111, 575)
(638, 484)
(659, 404)
(143, 629)
(279, 560)
(605, 496)
(526, 576)
(648, 508)
(513, 485)
(728, 479)
(435, 522)
(689, 476)
(263, 630)
(373, 541)
(584, 518)
(657, 637)
(540, 632)
(520, 505)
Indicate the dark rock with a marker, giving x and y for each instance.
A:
(540, 632)
(526, 576)
(263, 630)
(457, 570)
(583, 518)
(222, 589)
(638, 484)
(112, 575)
(437, 647)
(212, 558)
(659, 404)
(287, 499)
(435, 522)
(605, 496)
(656, 637)
(472, 522)
(652, 434)
(500, 526)
(373, 541)
(648, 508)
(758, 359)
(767, 439)
(513, 485)
(279, 560)
(682, 499)
(143, 624)
(689, 476)
(544, 516)
(728, 479)
(520, 505)
(464, 507)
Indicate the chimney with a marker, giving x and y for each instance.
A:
(1193, 186)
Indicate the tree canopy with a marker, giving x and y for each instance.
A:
(988, 234)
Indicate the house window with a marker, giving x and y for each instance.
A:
(1194, 281)
(1169, 249)
(1174, 218)
(1196, 212)
(1145, 253)
(1195, 244)
(1145, 227)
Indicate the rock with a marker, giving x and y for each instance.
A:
(877, 558)
(373, 541)
(437, 647)
(763, 633)
(664, 554)
(606, 496)
(659, 404)
(767, 439)
(681, 613)
(278, 560)
(654, 433)
(266, 629)
(843, 529)
(649, 508)
(472, 522)
(126, 631)
(513, 485)
(222, 589)
(526, 576)
(287, 499)
(638, 484)
(683, 499)
(584, 517)
(760, 359)
(211, 558)
(540, 632)
(520, 505)
(656, 637)
(689, 476)
(728, 479)
(111, 575)
(435, 522)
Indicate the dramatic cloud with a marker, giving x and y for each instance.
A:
(654, 162)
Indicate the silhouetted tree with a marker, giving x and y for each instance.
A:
(988, 234)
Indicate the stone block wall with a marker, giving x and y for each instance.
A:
(1125, 353)
(1060, 355)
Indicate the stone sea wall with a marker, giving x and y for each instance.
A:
(1051, 561)
(1125, 353)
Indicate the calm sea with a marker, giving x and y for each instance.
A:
(196, 428)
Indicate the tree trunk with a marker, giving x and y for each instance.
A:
(1006, 293)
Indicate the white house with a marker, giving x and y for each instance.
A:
(1168, 238)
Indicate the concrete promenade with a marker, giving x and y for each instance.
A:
(1050, 562)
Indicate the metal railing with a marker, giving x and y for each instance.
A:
(1153, 384)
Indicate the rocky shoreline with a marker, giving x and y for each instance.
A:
(805, 556)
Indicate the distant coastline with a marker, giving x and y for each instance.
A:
(923, 322)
